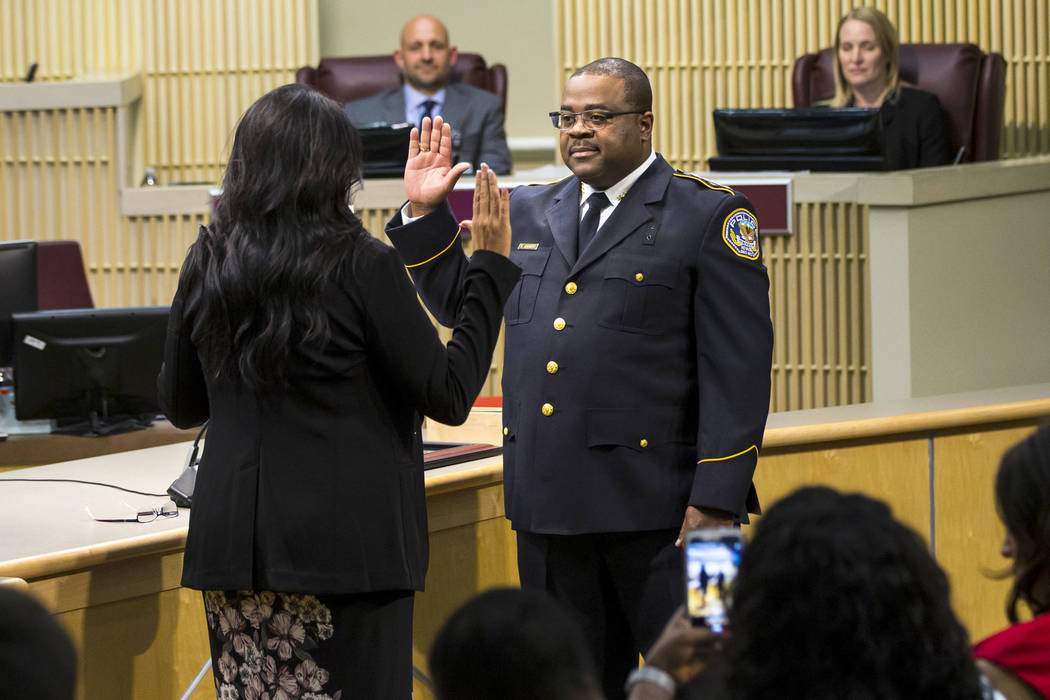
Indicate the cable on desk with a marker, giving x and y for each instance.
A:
(94, 483)
(114, 486)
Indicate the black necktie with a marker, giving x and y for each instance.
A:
(589, 225)
(428, 108)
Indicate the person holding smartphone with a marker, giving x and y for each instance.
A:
(834, 598)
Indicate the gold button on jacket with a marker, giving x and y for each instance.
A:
(552, 367)
(639, 276)
(547, 409)
(571, 288)
(643, 443)
(559, 324)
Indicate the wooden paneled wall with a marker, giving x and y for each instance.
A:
(706, 54)
(938, 482)
(56, 169)
(203, 63)
(818, 291)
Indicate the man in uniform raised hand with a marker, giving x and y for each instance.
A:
(636, 375)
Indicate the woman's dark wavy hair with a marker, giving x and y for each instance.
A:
(1022, 491)
(281, 229)
(836, 599)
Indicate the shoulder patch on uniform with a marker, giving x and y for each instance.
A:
(740, 232)
(705, 182)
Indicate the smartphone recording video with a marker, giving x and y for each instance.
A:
(712, 557)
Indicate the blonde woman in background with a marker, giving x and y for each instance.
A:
(867, 74)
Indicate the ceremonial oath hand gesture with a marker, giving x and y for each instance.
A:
(490, 226)
(429, 173)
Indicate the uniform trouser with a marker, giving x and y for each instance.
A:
(624, 587)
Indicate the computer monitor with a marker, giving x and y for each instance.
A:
(815, 138)
(93, 371)
(17, 289)
(384, 149)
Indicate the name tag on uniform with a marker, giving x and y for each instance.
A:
(528, 246)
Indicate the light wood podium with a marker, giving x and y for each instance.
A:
(115, 586)
(31, 450)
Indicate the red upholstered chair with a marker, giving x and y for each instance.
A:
(970, 84)
(61, 280)
(355, 77)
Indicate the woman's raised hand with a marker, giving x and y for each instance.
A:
(429, 173)
(490, 226)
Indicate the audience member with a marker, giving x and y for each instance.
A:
(515, 644)
(837, 599)
(834, 599)
(425, 59)
(1017, 659)
(867, 74)
(299, 337)
(37, 658)
(680, 653)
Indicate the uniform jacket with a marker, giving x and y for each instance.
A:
(476, 117)
(318, 487)
(636, 375)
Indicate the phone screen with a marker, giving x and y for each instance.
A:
(711, 563)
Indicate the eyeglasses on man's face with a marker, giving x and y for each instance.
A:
(593, 119)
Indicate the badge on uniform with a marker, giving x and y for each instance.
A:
(740, 232)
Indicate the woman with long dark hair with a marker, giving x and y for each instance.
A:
(300, 338)
(1017, 658)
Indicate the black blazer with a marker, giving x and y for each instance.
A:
(319, 487)
(652, 348)
(913, 126)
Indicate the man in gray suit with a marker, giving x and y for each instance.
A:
(425, 59)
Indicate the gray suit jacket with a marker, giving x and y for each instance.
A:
(476, 117)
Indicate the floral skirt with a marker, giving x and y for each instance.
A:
(268, 645)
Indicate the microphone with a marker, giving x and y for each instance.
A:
(181, 490)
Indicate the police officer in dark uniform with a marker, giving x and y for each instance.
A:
(636, 376)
